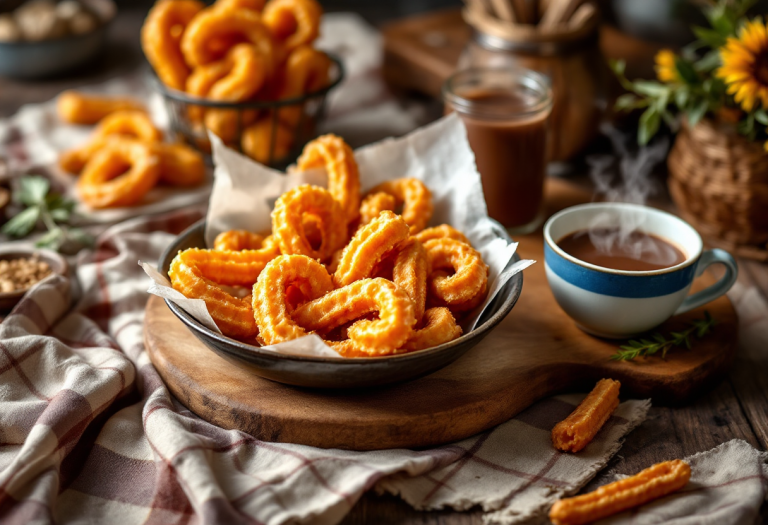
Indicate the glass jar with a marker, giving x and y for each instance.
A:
(506, 113)
(576, 69)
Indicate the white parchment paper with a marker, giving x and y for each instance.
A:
(244, 193)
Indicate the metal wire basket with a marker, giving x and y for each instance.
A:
(271, 132)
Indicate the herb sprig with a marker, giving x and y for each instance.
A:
(658, 343)
(48, 207)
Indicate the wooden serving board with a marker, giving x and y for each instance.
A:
(535, 352)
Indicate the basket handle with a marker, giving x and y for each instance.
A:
(708, 258)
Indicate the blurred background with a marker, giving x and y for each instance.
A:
(415, 45)
(644, 27)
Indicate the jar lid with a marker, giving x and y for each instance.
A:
(498, 93)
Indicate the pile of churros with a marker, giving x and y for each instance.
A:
(125, 156)
(361, 271)
(236, 51)
(575, 432)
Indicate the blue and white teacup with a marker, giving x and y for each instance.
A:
(619, 303)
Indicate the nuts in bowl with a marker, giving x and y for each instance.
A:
(22, 268)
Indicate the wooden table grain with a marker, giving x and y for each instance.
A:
(735, 408)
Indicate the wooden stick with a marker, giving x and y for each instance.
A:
(558, 12)
(582, 15)
(482, 6)
(543, 6)
(504, 10)
(524, 11)
(498, 28)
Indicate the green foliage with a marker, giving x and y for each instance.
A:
(696, 91)
(656, 342)
(49, 208)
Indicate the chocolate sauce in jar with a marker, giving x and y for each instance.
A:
(506, 114)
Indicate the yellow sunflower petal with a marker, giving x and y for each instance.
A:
(741, 57)
(746, 97)
(665, 66)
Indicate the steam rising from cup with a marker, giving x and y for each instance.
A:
(625, 176)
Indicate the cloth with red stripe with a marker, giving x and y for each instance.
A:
(89, 432)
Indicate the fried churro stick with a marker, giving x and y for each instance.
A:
(83, 108)
(577, 430)
(652, 483)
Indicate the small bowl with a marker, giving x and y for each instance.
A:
(330, 372)
(33, 60)
(57, 263)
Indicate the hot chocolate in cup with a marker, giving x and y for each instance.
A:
(619, 303)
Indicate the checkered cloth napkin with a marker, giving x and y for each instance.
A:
(89, 433)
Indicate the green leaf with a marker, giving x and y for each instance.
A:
(651, 88)
(33, 189)
(747, 126)
(51, 240)
(618, 67)
(708, 62)
(648, 125)
(628, 101)
(686, 71)
(696, 113)
(762, 117)
(710, 37)
(669, 119)
(682, 95)
(81, 236)
(60, 208)
(60, 214)
(22, 223)
(723, 25)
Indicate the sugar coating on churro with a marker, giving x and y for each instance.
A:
(577, 430)
(652, 483)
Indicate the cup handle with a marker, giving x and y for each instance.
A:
(708, 258)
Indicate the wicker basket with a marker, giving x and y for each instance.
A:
(719, 181)
(309, 110)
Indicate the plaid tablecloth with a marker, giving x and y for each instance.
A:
(89, 433)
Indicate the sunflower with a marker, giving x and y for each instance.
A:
(745, 65)
(666, 71)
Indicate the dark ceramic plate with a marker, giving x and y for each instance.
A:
(329, 372)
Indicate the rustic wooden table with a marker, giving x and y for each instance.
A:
(735, 408)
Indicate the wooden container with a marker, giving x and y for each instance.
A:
(719, 181)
